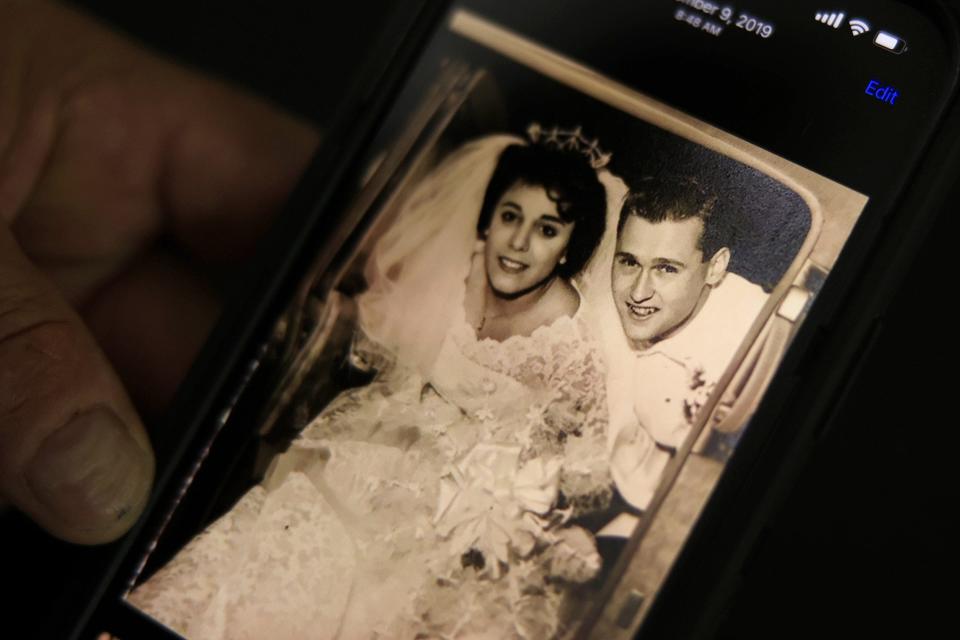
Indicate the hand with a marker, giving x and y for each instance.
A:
(122, 179)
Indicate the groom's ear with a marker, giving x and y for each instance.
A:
(718, 266)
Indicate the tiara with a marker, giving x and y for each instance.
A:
(570, 140)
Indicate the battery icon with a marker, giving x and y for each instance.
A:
(890, 42)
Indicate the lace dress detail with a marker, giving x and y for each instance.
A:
(568, 418)
(259, 572)
(416, 509)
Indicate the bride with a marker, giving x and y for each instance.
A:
(442, 499)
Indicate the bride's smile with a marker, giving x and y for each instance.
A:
(512, 266)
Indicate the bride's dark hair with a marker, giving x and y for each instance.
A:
(568, 180)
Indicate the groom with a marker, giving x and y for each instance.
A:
(683, 314)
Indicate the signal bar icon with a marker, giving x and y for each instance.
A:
(831, 19)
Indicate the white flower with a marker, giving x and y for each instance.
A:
(535, 414)
(484, 414)
(490, 503)
(536, 484)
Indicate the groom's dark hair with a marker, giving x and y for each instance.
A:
(675, 199)
(568, 180)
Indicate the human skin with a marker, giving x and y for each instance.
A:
(124, 182)
(660, 278)
(525, 240)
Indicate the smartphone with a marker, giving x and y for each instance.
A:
(557, 314)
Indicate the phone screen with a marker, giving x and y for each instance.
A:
(584, 241)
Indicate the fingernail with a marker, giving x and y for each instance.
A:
(91, 473)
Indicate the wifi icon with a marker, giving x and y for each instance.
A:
(858, 26)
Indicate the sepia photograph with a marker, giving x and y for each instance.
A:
(499, 411)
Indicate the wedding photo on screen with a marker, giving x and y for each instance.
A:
(525, 379)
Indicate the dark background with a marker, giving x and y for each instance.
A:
(866, 542)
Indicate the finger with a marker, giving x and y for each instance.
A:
(230, 164)
(73, 454)
(151, 322)
(100, 124)
(162, 150)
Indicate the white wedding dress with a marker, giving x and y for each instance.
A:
(401, 513)
(436, 502)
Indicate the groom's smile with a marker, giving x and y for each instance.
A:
(641, 312)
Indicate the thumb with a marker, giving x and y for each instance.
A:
(73, 454)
